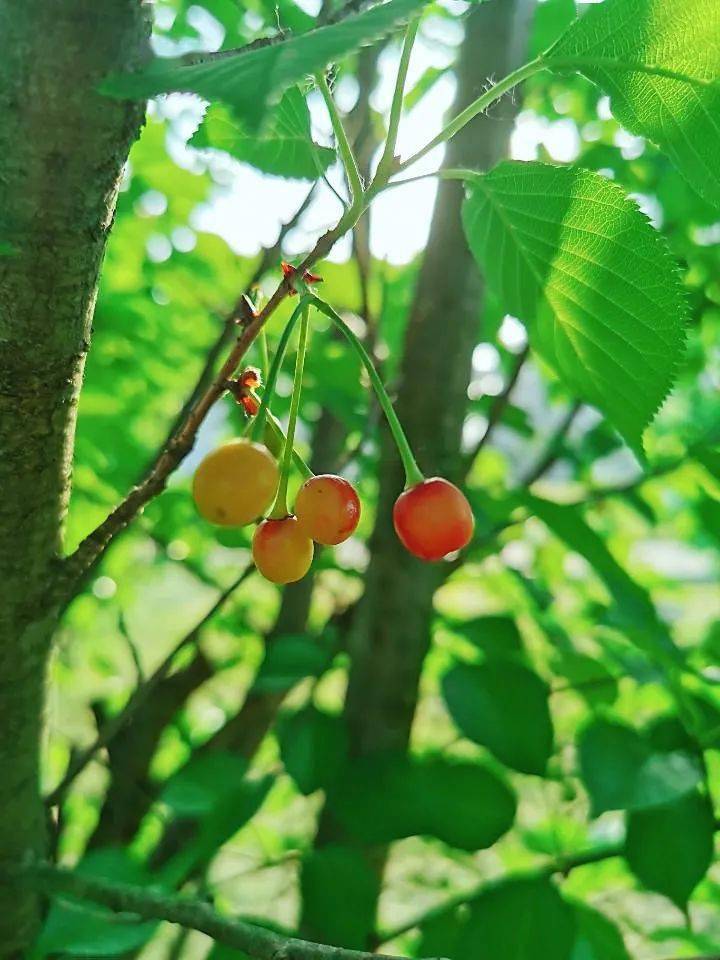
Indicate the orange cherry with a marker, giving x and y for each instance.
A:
(282, 551)
(433, 518)
(328, 509)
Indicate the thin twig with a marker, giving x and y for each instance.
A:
(552, 450)
(499, 406)
(150, 904)
(630, 486)
(134, 653)
(139, 696)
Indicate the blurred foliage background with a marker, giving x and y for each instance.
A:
(545, 732)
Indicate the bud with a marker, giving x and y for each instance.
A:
(249, 405)
(251, 378)
(245, 311)
(242, 389)
(290, 272)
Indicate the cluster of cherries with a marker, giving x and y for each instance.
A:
(241, 482)
(236, 484)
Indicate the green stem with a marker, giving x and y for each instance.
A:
(264, 356)
(275, 442)
(258, 431)
(450, 173)
(476, 107)
(387, 160)
(280, 508)
(413, 474)
(346, 154)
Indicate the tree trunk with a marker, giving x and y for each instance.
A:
(391, 634)
(62, 150)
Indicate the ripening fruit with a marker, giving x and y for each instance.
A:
(328, 509)
(433, 518)
(236, 483)
(281, 550)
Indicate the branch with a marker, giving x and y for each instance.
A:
(92, 548)
(499, 406)
(594, 494)
(551, 451)
(140, 695)
(148, 904)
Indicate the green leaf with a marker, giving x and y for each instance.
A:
(250, 82)
(385, 798)
(659, 60)
(313, 747)
(670, 848)
(496, 636)
(502, 706)
(609, 754)
(665, 776)
(634, 609)
(288, 660)
(587, 676)
(285, 147)
(339, 892)
(519, 920)
(551, 19)
(235, 804)
(570, 254)
(709, 457)
(87, 930)
(424, 85)
(197, 787)
(597, 938)
(621, 772)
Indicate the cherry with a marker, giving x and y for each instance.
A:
(328, 509)
(236, 483)
(281, 550)
(433, 518)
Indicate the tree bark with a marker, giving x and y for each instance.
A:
(62, 150)
(391, 633)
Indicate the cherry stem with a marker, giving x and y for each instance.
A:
(280, 508)
(275, 442)
(264, 356)
(258, 431)
(413, 473)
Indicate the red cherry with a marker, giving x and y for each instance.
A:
(281, 551)
(433, 518)
(328, 509)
